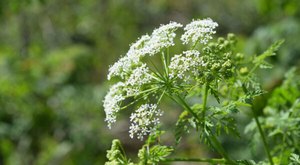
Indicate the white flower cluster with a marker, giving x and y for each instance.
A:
(199, 31)
(138, 49)
(133, 71)
(119, 91)
(162, 37)
(121, 67)
(144, 120)
(139, 76)
(181, 64)
(139, 82)
(112, 101)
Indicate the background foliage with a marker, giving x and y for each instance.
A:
(54, 57)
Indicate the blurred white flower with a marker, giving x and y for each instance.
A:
(199, 31)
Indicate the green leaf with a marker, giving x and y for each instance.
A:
(158, 153)
(154, 137)
(251, 127)
(246, 162)
(260, 60)
(182, 126)
(153, 155)
(216, 94)
(295, 159)
(143, 155)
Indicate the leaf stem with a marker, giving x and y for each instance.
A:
(187, 107)
(195, 44)
(213, 139)
(212, 161)
(163, 59)
(263, 137)
(123, 152)
(206, 88)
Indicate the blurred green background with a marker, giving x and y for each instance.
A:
(54, 57)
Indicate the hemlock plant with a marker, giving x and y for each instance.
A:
(206, 68)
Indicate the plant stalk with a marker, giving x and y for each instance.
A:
(205, 101)
(213, 139)
(212, 161)
(263, 137)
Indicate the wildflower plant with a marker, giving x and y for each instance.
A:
(207, 68)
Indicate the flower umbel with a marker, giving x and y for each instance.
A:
(190, 78)
(199, 31)
(142, 82)
(144, 120)
(139, 76)
(163, 37)
(188, 62)
(112, 101)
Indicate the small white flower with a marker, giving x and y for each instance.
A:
(199, 31)
(163, 37)
(182, 64)
(121, 68)
(139, 76)
(132, 90)
(138, 49)
(136, 76)
(111, 103)
(144, 120)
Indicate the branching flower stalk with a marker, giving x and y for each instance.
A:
(202, 70)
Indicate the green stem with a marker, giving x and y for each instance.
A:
(187, 107)
(161, 96)
(213, 138)
(282, 148)
(218, 146)
(195, 44)
(168, 56)
(164, 61)
(123, 152)
(263, 137)
(142, 92)
(146, 93)
(212, 161)
(206, 88)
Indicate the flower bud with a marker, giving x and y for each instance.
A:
(216, 66)
(239, 56)
(244, 71)
(227, 64)
(221, 40)
(231, 37)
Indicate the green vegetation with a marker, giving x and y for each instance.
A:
(54, 58)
